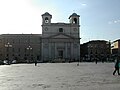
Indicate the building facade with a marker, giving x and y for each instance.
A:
(60, 41)
(20, 47)
(96, 49)
(116, 48)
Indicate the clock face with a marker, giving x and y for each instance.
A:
(46, 28)
(75, 29)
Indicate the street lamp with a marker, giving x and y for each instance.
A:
(29, 48)
(8, 45)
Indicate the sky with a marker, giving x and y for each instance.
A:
(99, 19)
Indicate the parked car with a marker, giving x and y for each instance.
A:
(14, 62)
(6, 62)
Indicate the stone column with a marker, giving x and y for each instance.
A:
(49, 50)
(42, 52)
(78, 51)
(66, 56)
(55, 51)
(72, 51)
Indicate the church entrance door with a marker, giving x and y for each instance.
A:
(60, 54)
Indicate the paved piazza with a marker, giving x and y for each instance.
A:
(59, 76)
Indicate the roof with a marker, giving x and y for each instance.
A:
(96, 41)
(46, 14)
(14, 35)
(116, 40)
(74, 14)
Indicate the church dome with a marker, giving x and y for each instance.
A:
(46, 14)
(74, 14)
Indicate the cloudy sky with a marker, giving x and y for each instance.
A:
(99, 19)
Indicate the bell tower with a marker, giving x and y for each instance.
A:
(74, 19)
(46, 18)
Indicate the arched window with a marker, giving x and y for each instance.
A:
(46, 20)
(75, 20)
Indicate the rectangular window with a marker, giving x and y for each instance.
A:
(13, 49)
(7, 50)
(13, 41)
(60, 29)
(18, 49)
(19, 41)
(25, 49)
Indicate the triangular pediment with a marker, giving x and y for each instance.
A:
(61, 36)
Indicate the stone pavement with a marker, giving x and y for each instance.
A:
(59, 76)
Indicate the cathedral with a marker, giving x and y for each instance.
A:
(60, 41)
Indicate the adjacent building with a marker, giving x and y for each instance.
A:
(21, 47)
(96, 49)
(116, 48)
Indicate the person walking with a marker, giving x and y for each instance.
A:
(35, 62)
(96, 60)
(116, 67)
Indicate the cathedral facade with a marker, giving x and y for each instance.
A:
(60, 41)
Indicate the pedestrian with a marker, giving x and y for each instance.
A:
(116, 66)
(35, 62)
(96, 60)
